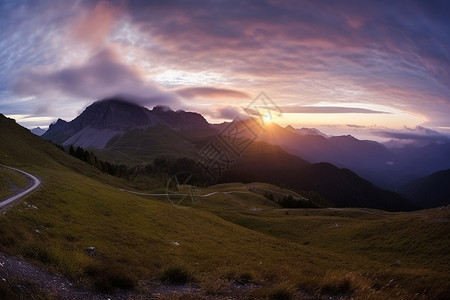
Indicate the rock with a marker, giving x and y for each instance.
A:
(90, 250)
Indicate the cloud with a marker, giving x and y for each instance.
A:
(417, 134)
(393, 52)
(228, 113)
(103, 75)
(300, 52)
(329, 110)
(93, 26)
(355, 126)
(210, 92)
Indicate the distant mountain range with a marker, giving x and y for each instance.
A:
(429, 191)
(263, 162)
(386, 167)
(38, 131)
(125, 133)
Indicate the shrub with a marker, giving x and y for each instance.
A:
(40, 253)
(244, 278)
(280, 294)
(106, 279)
(338, 287)
(176, 275)
(215, 285)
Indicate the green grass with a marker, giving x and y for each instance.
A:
(19, 288)
(404, 247)
(11, 182)
(133, 235)
(152, 142)
(219, 241)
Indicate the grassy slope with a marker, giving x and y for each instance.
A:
(403, 247)
(372, 253)
(133, 236)
(11, 182)
(221, 238)
(141, 146)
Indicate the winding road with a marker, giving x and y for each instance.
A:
(35, 185)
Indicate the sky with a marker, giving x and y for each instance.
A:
(373, 69)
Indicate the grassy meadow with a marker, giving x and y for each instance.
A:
(11, 182)
(230, 238)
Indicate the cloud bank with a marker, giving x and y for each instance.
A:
(301, 53)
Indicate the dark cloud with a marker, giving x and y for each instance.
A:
(397, 48)
(28, 31)
(103, 75)
(210, 92)
(397, 53)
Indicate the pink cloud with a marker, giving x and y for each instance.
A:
(94, 25)
(210, 92)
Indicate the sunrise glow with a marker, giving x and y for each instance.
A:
(351, 69)
(224, 149)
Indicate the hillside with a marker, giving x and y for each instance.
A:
(125, 133)
(340, 187)
(133, 237)
(232, 243)
(429, 191)
(141, 146)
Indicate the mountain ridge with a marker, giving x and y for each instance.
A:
(107, 118)
(341, 187)
(109, 126)
(429, 191)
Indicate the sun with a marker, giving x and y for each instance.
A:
(267, 119)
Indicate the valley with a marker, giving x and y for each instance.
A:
(224, 150)
(233, 241)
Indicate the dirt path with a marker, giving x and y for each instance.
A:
(23, 274)
(29, 279)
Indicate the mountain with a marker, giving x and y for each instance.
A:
(80, 226)
(122, 132)
(306, 131)
(109, 118)
(368, 159)
(263, 162)
(126, 133)
(386, 167)
(38, 131)
(420, 161)
(429, 191)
